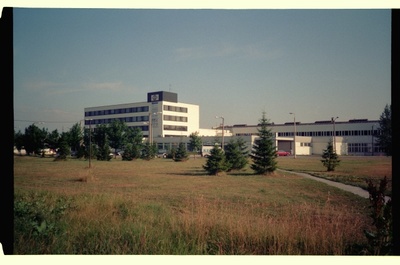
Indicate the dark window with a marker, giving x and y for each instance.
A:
(175, 128)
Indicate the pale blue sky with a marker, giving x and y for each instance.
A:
(232, 63)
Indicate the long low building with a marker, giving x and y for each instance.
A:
(353, 137)
(166, 121)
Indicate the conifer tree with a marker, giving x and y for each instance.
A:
(330, 158)
(181, 153)
(102, 142)
(103, 152)
(264, 152)
(385, 136)
(130, 152)
(149, 151)
(64, 148)
(216, 162)
(236, 154)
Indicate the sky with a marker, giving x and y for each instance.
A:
(234, 63)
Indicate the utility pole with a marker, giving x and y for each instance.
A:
(334, 133)
(294, 137)
(223, 129)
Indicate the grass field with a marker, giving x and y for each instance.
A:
(166, 207)
(352, 170)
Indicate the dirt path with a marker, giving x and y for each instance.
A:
(355, 190)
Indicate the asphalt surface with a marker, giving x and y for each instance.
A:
(355, 190)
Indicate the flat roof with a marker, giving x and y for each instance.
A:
(309, 123)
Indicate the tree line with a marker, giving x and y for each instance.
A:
(97, 143)
(83, 142)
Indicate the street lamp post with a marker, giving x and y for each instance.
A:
(151, 126)
(334, 133)
(150, 131)
(294, 137)
(223, 129)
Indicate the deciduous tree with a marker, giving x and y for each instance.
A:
(195, 142)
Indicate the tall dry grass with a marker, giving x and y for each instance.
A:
(163, 207)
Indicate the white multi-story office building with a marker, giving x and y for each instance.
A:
(160, 116)
(167, 122)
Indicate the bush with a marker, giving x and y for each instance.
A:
(37, 219)
(380, 240)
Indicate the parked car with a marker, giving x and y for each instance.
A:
(162, 155)
(282, 153)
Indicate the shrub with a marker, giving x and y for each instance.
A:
(381, 240)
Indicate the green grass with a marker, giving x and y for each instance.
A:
(167, 207)
(351, 170)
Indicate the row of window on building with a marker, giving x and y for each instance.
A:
(351, 148)
(356, 147)
(330, 133)
(363, 148)
(116, 111)
(166, 128)
(175, 109)
(175, 118)
(134, 119)
(123, 119)
(132, 110)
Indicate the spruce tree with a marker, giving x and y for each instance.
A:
(384, 138)
(216, 162)
(64, 150)
(130, 152)
(103, 153)
(149, 151)
(330, 158)
(264, 152)
(236, 154)
(181, 153)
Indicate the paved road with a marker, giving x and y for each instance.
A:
(356, 190)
